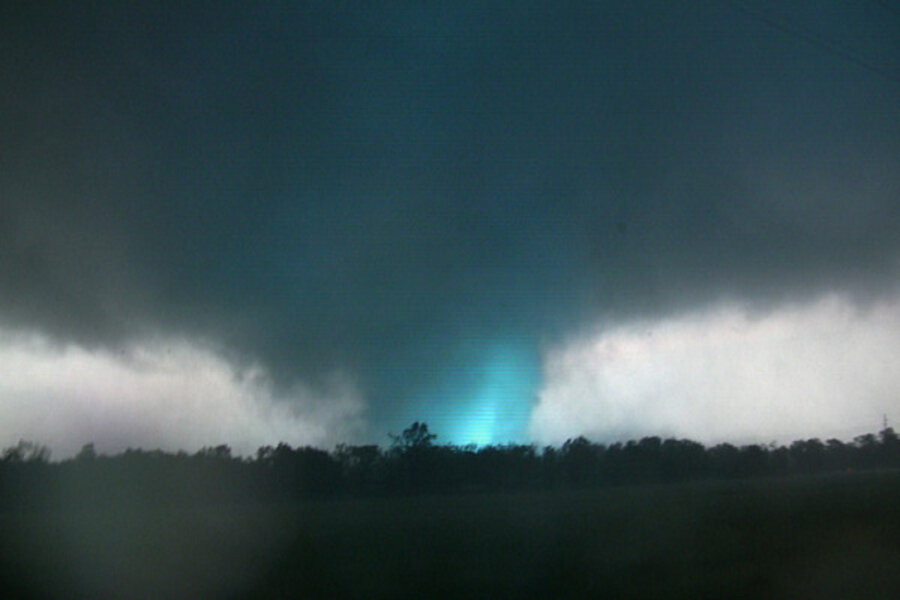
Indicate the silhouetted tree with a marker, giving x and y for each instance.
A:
(414, 437)
(415, 451)
(579, 461)
(26, 452)
(867, 451)
(682, 459)
(809, 455)
(86, 454)
(890, 447)
(753, 460)
(724, 460)
(413, 463)
(220, 452)
(837, 455)
(360, 466)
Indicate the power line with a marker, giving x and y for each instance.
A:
(816, 39)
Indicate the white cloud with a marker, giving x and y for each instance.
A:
(171, 395)
(824, 369)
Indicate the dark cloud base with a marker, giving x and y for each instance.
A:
(328, 188)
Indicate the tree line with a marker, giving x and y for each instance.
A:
(413, 462)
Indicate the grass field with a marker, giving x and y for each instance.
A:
(819, 537)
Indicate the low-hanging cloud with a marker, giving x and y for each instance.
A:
(826, 368)
(173, 395)
(366, 190)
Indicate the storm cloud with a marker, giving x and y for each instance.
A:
(822, 369)
(391, 194)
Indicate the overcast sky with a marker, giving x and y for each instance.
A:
(317, 222)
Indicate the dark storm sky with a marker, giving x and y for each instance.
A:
(397, 190)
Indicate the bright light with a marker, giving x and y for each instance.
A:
(500, 401)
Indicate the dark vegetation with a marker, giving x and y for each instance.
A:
(642, 519)
(413, 463)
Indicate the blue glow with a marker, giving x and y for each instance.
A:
(489, 404)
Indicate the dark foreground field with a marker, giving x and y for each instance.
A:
(824, 537)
